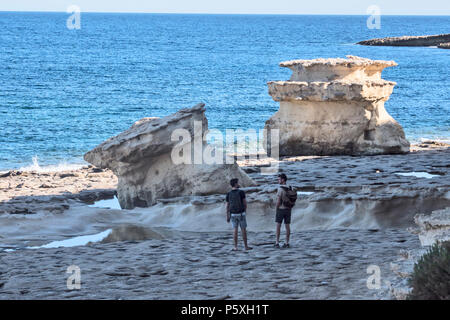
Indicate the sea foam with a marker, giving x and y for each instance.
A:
(62, 166)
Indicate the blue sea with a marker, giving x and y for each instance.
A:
(64, 91)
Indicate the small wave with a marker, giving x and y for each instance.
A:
(62, 166)
(443, 140)
(420, 140)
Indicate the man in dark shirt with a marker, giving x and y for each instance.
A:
(236, 209)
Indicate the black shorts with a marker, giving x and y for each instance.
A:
(283, 214)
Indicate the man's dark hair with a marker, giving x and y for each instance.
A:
(234, 182)
(282, 176)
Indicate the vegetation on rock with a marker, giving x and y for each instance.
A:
(430, 279)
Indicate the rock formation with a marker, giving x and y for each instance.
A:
(434, 227)
(335, 106)
(445, 45)
(142, 158)
(408, 41)
(431, 228)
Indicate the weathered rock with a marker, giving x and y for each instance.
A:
(431, 228)
(369, 184)
(132, 233)
(408, 41)
(445, 45)
(143, 159)
(434, 227)
(335, 106)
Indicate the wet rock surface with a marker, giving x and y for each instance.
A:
(319, 265)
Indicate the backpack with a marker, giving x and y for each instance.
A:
(289, 197)
(236, 203)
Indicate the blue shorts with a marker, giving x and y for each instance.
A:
(238, 220)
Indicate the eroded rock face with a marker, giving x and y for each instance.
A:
(142, 159)
(335, 107)
(434, 227)
(431, 228)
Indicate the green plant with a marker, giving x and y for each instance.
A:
(430, 279)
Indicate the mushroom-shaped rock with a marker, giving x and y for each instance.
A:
(165, 158)
(335, 106)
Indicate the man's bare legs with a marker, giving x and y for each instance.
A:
(288, 232)
(244, 237)
(278, 230)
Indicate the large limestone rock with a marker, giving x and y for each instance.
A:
(143, 159)
(335, 106)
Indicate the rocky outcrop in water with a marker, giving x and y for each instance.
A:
(408, 41)
(335, 107)
(143, 158)
(445, 45)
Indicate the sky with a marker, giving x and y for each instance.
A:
(359, 7)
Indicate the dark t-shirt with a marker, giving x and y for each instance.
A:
(236, 200)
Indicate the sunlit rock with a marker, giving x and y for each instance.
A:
(165, 158)
(335, 106)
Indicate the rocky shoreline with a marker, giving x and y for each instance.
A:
(352, 212)
(440, 40)
(27, 192)
(337, 177)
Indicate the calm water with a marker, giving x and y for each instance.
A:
(64, 91)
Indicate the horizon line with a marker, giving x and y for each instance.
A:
(226, 13)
